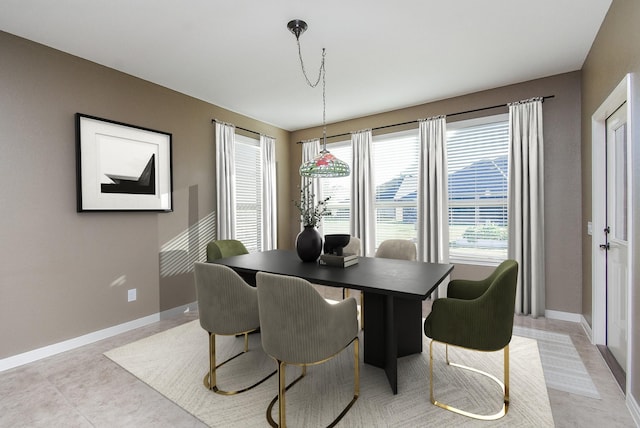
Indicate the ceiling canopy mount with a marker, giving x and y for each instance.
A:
(297, 27)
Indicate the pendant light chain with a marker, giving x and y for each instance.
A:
(324, 165)
(324, 104)
(322, 73)
(304, 70)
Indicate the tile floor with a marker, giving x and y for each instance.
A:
(83, 388)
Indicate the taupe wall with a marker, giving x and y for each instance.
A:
(615, 52)
(59, 268)
(562, 172)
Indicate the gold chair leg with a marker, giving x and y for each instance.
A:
(280, 398)
(282, 389)
(505, 357)
(504, 386)
(209, 380)
(356, 365)
(282, 414)
(356, 382)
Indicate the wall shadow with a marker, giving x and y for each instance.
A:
(177, 256)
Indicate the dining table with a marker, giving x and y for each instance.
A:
(393, 292)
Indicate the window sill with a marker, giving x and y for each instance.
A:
(475, 261)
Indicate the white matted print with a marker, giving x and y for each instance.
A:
(122, 167)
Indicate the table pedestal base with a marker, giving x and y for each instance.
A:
(392, 329)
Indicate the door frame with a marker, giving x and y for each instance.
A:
(624, 91)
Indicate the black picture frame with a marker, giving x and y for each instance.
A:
(122, 167)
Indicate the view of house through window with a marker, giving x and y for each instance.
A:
(248, 192)
(395, 166)
(477, 153)
(339, 190)
(396, 170)
(477, 161)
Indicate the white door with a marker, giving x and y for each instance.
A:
(617, 234)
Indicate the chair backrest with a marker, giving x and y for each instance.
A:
(297, 325)
(505, 265)
(226, 303)
(499, 301)
(401, 249)
(225, 248)
(481, 320)
(353, 247)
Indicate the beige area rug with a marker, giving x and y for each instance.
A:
(174, 363)
(561, 363)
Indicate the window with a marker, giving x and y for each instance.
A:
(339, 190)
(396, 185)
(477, 153)
(248, 192)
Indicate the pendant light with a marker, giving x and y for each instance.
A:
(324, 165)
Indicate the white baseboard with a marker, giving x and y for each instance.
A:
(563, 316)
(86, 339)
(174, 312)
(633, 407)
(586, 327)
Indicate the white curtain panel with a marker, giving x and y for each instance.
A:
(226, 180)
(433, 219)
(311, 149)
(269, 201)
(526, 204)
(363, 212)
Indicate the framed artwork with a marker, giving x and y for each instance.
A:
(121, 167)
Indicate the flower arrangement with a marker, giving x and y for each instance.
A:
(310, 212)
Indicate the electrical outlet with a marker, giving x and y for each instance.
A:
(131, 295)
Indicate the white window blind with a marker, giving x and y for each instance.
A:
(477, 153)
(339, 190)
(396, 183)
(248, 192)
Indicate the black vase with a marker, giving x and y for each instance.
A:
(309, 244)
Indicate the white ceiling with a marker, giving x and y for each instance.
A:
(381, 55)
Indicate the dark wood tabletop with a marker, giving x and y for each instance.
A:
(400, 278)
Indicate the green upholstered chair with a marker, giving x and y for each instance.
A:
(299, 327)
(476, 315)
(225, 248)
(227, 306)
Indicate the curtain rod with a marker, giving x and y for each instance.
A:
(416, 121)
(241, 128)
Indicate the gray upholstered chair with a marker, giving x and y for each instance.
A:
(228, 306)
(353, 247)
(225, 248)
(299, 327)
(476, 315)
(401, 249)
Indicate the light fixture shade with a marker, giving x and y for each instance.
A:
(325, 165)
